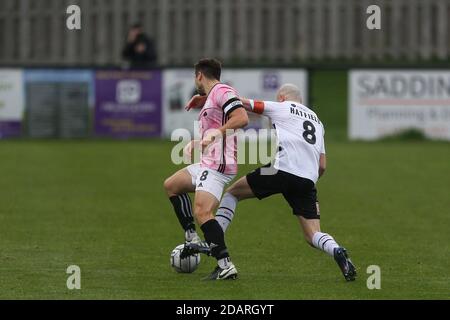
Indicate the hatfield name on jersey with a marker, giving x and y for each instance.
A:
(303, 114)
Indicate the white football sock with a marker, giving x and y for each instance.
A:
(226, 209)
(325, 242)
(224, 263)
(190, 234)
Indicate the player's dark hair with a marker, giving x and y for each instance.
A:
(211, 68)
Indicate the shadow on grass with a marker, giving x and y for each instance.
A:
(411, 135)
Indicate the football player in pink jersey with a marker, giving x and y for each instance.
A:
(221, 114)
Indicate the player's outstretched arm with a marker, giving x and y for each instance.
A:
(251, 105)
(246, 104)
(196, 102)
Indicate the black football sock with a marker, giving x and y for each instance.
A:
(183, 208)
(214, 235)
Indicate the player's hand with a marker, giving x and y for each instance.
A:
(187, 150)
(196, 102)
(140, 47)
(211, 137)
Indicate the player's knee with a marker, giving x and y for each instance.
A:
(234, 191)
(202, 213)
(169, 186)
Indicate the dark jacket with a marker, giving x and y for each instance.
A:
(145, 59)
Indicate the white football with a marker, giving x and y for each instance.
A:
(186, 265)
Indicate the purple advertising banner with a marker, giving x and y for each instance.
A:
(12, 103)
(128, 103)
(10, 129)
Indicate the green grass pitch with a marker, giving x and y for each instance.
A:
(100, 205)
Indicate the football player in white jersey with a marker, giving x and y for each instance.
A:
(299, 162)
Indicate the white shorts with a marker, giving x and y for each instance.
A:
(209, 180)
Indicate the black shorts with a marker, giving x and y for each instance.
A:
(300, 193)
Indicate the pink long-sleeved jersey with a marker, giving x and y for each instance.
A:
(221, 155)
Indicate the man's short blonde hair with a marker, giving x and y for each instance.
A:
(290, 92)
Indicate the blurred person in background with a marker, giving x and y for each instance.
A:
(139, 50)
